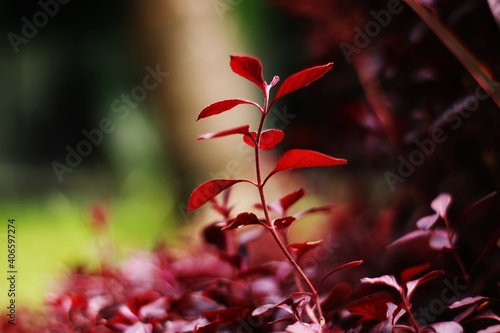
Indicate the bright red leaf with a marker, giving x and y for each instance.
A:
(299, 158)
(223, 106)
(301, 79)
(208, 190)
(245, 130)
(250, 68)
(268, 139)
(241, 220)
(410, 272)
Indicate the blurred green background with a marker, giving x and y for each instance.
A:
(62, 78)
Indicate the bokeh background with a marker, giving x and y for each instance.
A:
(80, 65)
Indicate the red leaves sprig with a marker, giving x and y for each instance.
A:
(251, 69)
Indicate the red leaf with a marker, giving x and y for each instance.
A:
(208, 190)
(301, 79)
(283, 222)
(223, 106)
(301, 248)
(299, 158)
(250, 68)
(241, 220)
(370, 311)
(268, 139)
(238, 130)
(412, 285)
(411, 272)
(288, 200)
(388, 280)
(339, 268)
(313, 210)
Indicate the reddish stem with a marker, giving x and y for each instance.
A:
(271, 227)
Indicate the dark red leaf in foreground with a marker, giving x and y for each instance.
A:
(238, 130)
(250, 68)
(301, 79)
(223, 106)
(299, 158)
(242, 220)
(268, 139)
(208, 190)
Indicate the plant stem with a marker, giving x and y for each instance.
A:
(270, 225)
(408, 310)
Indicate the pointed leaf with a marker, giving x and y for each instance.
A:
(223, 106)
(388, 280)
(238, 130)
(339, 268)
(208, 190)
(412, 285)
(410, 237)
(250, 68)
(301, 248)
(410, 272)
(441, 203)
(313, 210)
(299, 158)
(301, 79)
(283, 222)
(288, 200)
(468, 301)
(241, 220)
(268, 139)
